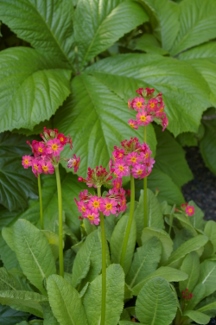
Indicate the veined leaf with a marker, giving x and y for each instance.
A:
(150, 303)
(24, 301)
(114, 297)
(168, 273)
(190, 245)
(33, 92)
(197, 24)
(98, 25)
(205, 51)
(33, 253)
(146, 259)
(47, 26)
(96, 118)
(191, 266)
(9, 316)
(8, 282)
(178, 81)
(65, 302)
(117, 239)
(197, 316)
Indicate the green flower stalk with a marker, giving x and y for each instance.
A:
(129, 223)
(40, 202)
(60, 221)
(145, 190)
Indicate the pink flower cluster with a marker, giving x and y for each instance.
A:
(148, 108)
(90, 206)
(132, 158)
(97, 177)
(46, 153)
(186, 294)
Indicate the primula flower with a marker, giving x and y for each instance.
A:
(54, 147)
(92, 217)
(36, 167)
(74, 163)
(97, 177)
(94, 203)
(108, 206)
(26, 161)
(47, 166)
(149, 108)
(121, 169)
(189, 210)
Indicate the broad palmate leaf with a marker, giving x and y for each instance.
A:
(31, 90)
(98, 25)
(46, 25)
(16, 184)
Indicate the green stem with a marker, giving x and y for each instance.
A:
(41, 202)
(103, 245)
(145, 187)
(60, 221)
(130, 220)
(171, 218)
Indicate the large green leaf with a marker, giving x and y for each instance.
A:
(197, 24)
(47, 26)
(170, 159)
(156, 294)
(114, 297)
(65, 302)
(25, 301)
(31, 90)
(16, 184)
(98, 25)
(190, 265)
(33, 253)
(96, 118)
(167, 26)
(186, 93)
(197, 316)
(206, 51)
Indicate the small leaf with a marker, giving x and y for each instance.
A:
(156, 294)
(65, 302)
(114, 297)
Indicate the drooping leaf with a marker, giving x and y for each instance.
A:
(97, 27)
(190, 245)
(65, 302)
(25, 301)
(145, 261)
(197, 21)
(33, 253)
(117, 240)
(31, 89)
(168, 273)
(114, 297)
(150, 303)
(47, 26)
(16, 184)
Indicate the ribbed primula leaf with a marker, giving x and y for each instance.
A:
(16, 184)
(197, 24)
(114, 297)
(156, 294)
(47, 26)
(65, 302)
(33, 253)
(98, 25)
(30, 90)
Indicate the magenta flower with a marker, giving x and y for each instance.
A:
(74, 163)
(189, 210)
(108, 206)
(47, 166)
(94, 203)
(26, 161)
(54, 147)
(36, 166)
